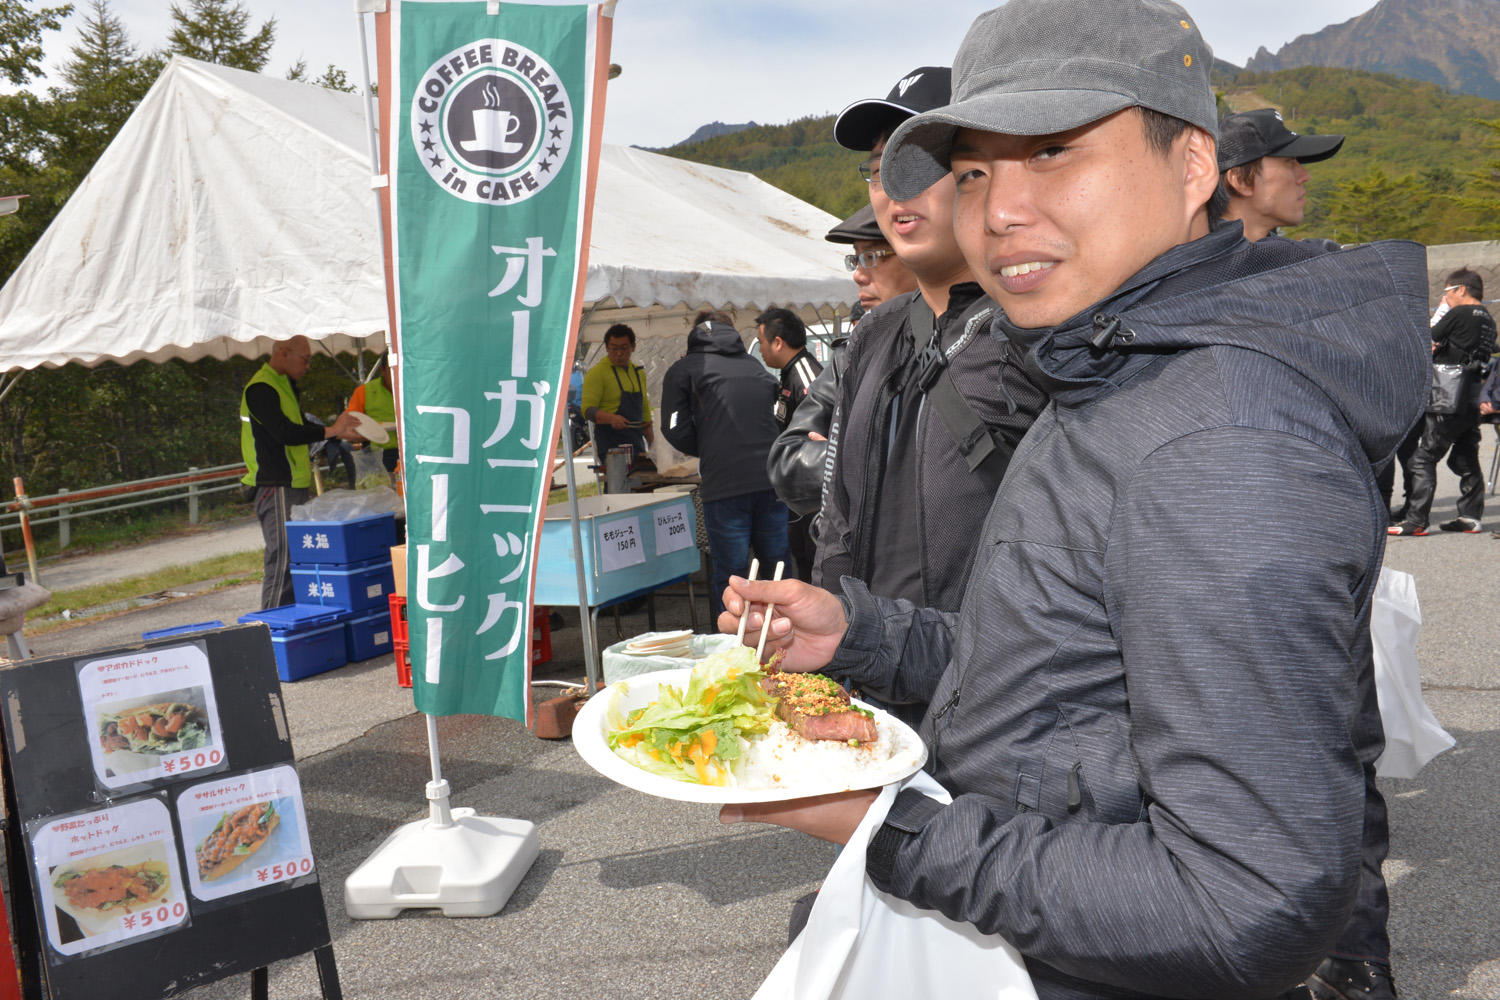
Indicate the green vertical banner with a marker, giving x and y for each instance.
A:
(492, 155)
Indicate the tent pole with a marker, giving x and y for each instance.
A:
(370, 118)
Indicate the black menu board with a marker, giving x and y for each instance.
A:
(157, 834)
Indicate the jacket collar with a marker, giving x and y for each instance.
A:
(1082, 354)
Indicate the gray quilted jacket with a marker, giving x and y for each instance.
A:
(1155, 708)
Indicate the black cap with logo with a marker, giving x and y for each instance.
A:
(1249, 135)
(861, 123)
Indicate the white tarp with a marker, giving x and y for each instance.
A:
(235, 209)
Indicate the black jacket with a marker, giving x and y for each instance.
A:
(857, 536)
(717, 403)
(798, 465)
(796, 379)
(1465, 334)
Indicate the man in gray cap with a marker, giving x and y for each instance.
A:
(1155, 714)
(1261, 161)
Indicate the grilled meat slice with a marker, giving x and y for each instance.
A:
(816, 708)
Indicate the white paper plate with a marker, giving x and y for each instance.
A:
(369, 428)
(907, 757)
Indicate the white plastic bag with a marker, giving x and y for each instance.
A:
(860, 942)
(619, 664)
(346, 505)
(1412, 734)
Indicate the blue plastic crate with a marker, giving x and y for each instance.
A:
(341, 543)
(162, 633)
(367, 634)
(306, 639)
(353, 588)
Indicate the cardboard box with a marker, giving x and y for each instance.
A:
(398, 566)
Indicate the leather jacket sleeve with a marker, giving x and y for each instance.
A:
(795, 464)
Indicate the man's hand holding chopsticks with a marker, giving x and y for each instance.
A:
(807, 622)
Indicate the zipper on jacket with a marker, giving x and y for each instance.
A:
(1075, 787)
(937, 726)
(875, 457)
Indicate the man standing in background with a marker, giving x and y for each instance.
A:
(931, 406)
(615, 399)
(783, 345)
(376, 400)
(273, 444)
(802, 455)
(717, 402)
(1261, 165)
(1464, 336)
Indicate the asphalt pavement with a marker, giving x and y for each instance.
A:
(67, 572)
(642, 897)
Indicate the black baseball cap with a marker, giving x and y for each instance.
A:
(1248, 135)
(859, 226)
(861, 123)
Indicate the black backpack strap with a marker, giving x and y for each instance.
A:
(971, 434)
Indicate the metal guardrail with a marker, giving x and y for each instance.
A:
(67, 505)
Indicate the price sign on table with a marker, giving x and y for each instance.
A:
(672, 529)
(620, 544)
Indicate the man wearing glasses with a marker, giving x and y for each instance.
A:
(800, 455)
(1464, 336)
(877, 272)
(930, 404)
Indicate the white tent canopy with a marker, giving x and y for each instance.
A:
(235, 209)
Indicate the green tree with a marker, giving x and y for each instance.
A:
(218, 31)
(336, 79)
(106, 80)
(333, 78)
(21, 37)
(1375, 207)
(1481, 199)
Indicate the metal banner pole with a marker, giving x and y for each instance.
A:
(591, 666)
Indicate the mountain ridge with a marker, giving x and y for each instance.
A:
(1452, 43)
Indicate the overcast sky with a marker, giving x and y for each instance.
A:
(689, 62)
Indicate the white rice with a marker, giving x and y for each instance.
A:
(780, 758)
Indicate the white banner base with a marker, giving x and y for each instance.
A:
(454, 861)
(468, 868)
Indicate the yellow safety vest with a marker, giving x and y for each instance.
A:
(296, 455)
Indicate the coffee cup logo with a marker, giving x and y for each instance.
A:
(491, 122)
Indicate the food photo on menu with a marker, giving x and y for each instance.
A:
(134, 734)
(93, 894)
(244, 832)
(235, 837)
(110, 876)
(152, 715)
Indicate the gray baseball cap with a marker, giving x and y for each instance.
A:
(1035, 67)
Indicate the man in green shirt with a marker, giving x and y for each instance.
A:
(614, 396)
(273, 443)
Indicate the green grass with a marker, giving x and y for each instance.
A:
(225, 571)
(561, 495)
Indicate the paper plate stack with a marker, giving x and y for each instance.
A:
(679, 643)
